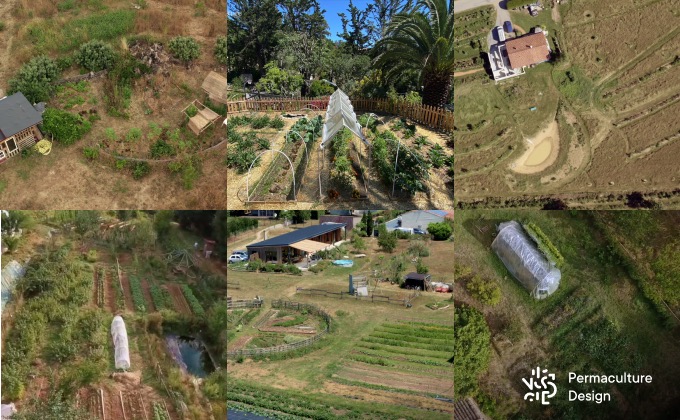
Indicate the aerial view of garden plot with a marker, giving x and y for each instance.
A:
(564, 105)
(361, 112)
(128, 104)
(356, 327)
(593, 293)
(275, 159)
(113, 315)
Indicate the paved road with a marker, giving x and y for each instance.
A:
(502, 14)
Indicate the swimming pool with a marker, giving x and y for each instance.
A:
(344, 263)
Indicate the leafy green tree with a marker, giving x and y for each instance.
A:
(253, 33)
(396, 268)
(301, 52)
(421, 40)
(14, 220)
(355, 30)
(162, 222)
(381, 12)
(304, 17)
(471, 350)
(12, 243)
(221, 50)
(95, 55)
(35, 79)
(86, 221)
(387, 241)
(358, 242)
(280, 82)
(421, 268)
(184, 48)
(370, 223)
(487, 292)
(219, 233)
(666, 286)
(440, 231)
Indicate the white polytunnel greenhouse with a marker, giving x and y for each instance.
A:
(120, 341)
(340, 114)
(525, 261)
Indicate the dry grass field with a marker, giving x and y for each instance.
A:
(614, 94)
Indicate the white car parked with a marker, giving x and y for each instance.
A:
(237, 258)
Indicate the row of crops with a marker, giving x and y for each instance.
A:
(244, 149)
(161, 297)
(409, 344)
(291, 404)
(137, 295)
(411, 171)
(342, 174)
(100, 286)
(195, 305)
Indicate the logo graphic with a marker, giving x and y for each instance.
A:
(539, 385)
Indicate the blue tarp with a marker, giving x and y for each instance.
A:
(12, 272)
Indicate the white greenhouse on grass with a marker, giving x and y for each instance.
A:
(120, 341)
(525, 261)
(340, 114)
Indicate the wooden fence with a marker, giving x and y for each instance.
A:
(346, 295)
(254, 303)
(429, 116)
(288, 347)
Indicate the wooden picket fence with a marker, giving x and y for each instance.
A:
(429, 116)
(254, 303)
(288, 347)
(346, 295)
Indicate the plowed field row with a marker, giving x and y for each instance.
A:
(178, 298)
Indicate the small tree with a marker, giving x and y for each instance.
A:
(486, 291)
(95, 55)
(396, 269)
(386, 240)
(440, 231)
(12, 243)
(421, 268)
(221, 50)
(370, 224)
(358, 242)
(184, 48)
(35, 78)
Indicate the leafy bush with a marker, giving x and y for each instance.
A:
(184, 48)
(161, 148)
(421, 268)
(140, 170)
(91, 256)
(440, 231)
(386, 240)
(2, 26)
(487, 292)
(65, 127)
(35, 78)
(260, 122)
(221, 50)
(95, 55)
(277, 123)
(418, 249)
(134, 134)
(472, 349)
(319, 88)
(192, 110)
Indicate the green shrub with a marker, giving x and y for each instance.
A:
(260, 122)
(65, 127)
(544, 244)
(192, 110)
(440, 231)
(418, 248)
(95, 55)
(35, 78)
(184, 48)
(140, 170)
(91, 256)
(487, 292)
(421, 268)
(161, 148)
(134, 134)
(221, 50)
(91, 153)
(277, 123)
(319, 88)
(2, 26)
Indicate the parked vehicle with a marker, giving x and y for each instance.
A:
(500, 33)
(417, 231)
(507, 26)
(235, 258)
(243, 253)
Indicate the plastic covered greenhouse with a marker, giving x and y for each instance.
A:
(340, 114)
(525, 261)
(120, 341)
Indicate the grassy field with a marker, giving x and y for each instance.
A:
(601, 319)
(133, 117)
(615, 105)
(368, 366)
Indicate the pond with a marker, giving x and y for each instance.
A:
(190, 354)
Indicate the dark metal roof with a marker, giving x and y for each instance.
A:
(417, 276)
(298, 235)
(16, 114)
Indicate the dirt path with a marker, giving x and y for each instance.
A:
(95, 286)
(178, 297)
(110, 292)
(147, 296)
(129, 303)
(377, 376)
(386, 397)
(466, 72)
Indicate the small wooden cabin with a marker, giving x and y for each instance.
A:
(18, 125)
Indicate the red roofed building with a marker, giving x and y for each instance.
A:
(527, 50)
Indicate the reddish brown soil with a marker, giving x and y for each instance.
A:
(129, 303)
(240, 343)
(178, 297)
(110, 292)
(134, 407)
(112, 406)
(147, 296)
(95, 291)
(89, 400)
(386, 397)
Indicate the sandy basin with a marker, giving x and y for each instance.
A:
(542, 151)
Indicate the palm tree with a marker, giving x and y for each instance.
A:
(421, 39)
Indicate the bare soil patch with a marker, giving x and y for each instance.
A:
(373, 375)
(541, 153)
(178, 298)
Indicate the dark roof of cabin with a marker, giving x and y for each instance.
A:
(298, 235)
(417, 276)
(16, 114)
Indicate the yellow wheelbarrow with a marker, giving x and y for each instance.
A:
(44, 147)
